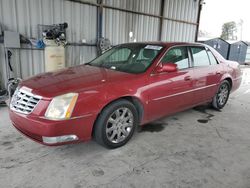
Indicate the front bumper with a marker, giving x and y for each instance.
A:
(49, 132)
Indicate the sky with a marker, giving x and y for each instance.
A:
(216, 12)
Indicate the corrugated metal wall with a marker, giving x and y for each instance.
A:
(146, 6)
(23, 16)
(117, 26)
(185, 10)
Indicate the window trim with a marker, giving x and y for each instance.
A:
(208, 50)
(189, 53)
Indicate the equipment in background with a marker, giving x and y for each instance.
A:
(103, 45)
(54, 56)
(3, 96)
(11, 88)
(56, 32)
(12, 82)
(11, 41)
(54, 38)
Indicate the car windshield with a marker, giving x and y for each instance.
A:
(130, 58)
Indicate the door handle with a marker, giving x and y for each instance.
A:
(187, 78)
(218, 72)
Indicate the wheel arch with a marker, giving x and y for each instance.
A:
(228, 78)
(134, 100)
(230, 81)
(138, 105)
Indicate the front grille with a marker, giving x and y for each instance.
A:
(23, 101)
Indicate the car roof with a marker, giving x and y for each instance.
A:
(165, 44)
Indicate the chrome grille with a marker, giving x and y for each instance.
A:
(23, 101)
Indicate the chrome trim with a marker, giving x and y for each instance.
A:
(24, 101)
(180, 93)
(59, 139)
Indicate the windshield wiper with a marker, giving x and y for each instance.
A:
(88, 64)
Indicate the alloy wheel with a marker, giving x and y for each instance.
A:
(223, 94)
(119, 125)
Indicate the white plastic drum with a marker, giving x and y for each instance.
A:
(54, 58)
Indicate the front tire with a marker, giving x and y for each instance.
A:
(116, 124)
(222, 95)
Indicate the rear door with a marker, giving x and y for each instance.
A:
(170, 92)
(207, 73)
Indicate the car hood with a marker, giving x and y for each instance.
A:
(74, 79)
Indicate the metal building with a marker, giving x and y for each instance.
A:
(220, 45)
(238, 52)
(147, 20)
(247, 61)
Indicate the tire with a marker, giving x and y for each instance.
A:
(116, 124)
(222, 95)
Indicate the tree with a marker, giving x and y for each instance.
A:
(203, 33)
(229, 31)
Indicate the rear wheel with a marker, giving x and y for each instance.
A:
(116, 124)
(221, 97)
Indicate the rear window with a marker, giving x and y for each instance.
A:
(200, 56)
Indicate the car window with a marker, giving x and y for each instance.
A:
(131, 58)
(212, 59)
(119, 56)
(200, 56)
(177, 55)
(146, 54)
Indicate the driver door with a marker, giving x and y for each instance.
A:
(170, 92)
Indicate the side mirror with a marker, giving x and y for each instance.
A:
(166, 67)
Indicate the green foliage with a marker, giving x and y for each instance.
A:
(228, 31)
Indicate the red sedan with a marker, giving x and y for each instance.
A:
(129, 85)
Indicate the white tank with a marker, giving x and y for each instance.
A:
(54, 56)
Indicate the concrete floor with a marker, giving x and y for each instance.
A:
(195, 148)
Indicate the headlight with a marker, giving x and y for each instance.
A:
(61, 107)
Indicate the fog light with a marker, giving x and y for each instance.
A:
(59, 139)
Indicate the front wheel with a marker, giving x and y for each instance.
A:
(221, 97)
(116, 124)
